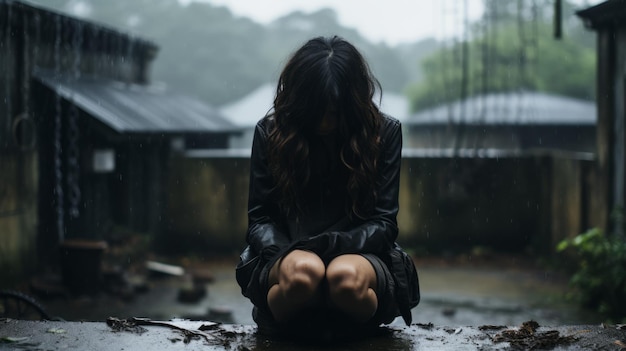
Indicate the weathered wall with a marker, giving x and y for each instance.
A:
(567, 217)
(462, 203)
(207, 200)
(18, 225)
(511, 204)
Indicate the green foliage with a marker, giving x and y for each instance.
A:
(509, 54)
(599, 272)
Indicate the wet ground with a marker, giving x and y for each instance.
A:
(139, 335)
(489, 304)
(455, 292)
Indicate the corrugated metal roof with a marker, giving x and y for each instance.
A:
(612, 12)
(132, 108)
(515, 108)
(96, 37)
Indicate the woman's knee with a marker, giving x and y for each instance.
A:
(347, 277)
(301, 272)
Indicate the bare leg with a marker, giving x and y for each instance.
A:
(351, 284)
(294, 282)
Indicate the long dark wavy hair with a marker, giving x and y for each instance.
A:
(326, 75)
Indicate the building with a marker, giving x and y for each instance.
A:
(608, 19)
(512, 122)
(85, 139)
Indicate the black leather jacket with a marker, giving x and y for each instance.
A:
(270, 229)
(323, 225)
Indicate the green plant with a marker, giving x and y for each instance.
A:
(599, 272)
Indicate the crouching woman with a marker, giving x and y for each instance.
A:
(322, 255)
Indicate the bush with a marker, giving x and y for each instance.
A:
(599, 272)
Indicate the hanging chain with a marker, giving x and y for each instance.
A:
(6, 44)
(73, 168)
(58, 171)
(73, 154)
(26, 67)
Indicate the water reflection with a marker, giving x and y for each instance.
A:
(385, 340)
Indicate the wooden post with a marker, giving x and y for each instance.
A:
(558, 15)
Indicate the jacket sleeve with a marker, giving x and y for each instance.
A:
(264, 235)
(378, 233)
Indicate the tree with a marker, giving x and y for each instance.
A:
(512, 48)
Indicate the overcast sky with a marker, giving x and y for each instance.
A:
(392, 21)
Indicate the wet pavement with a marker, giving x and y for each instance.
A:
(187, 335)
(465, 306)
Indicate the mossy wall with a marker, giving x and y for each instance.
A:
(18, 217)
(509, 204)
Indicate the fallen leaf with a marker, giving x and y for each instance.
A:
(56, 331)
(10, 339)
(620, 343)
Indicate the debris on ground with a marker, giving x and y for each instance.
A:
(527, 337)
(164, 269)
(120, 325)
(212, 333)
(202, 275)
(191, 294)
(491, 327)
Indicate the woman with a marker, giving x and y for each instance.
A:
(323, 201)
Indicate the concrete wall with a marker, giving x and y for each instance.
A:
(512, 204)
(207, 200)
(18, 210)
